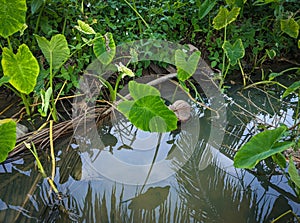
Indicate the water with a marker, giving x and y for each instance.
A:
(192, 178)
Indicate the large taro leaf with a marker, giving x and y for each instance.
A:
(290, 27)
(138, 90)
(104, 48)
(225, 17)
(12, 16)
(147, 111)
(186, 68)
(151, 199)
(56, 51)
(7, 137)
(234, 52)
(22, 68)
(260, 147)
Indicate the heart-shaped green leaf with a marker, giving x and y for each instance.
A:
(225, 17)
(148, 111)
(295, 86)
(84, 28)
(12, 16)
(56, 51)
(104, 48)
(260, 147)
(290, 27)
(22, 68)
(186, 68)
(7, 137)
(234, 52)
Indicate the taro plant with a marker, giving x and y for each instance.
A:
(56, 52)
(7, 137)
(269, 143)
(21, 69)
(147, 111)
(233, 52)
(104, 48)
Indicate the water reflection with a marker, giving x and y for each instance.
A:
(206, 189)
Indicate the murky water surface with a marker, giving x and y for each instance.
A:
(134, 176)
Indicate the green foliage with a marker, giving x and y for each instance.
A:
(7, 137)
(293, 172)
(84, 28)
(56, 51)
(290, 27)
(186, 68)
(104, 48)
(36, 5)
(206, 7)
(225, 17)
(12, 16)
(293, 88)
(46, 96)
(138, 91)
(147, 110)
(22, 68)
(260, 147)
(234, 52)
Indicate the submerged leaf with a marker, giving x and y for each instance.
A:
(7, 137)
(151, 199)
(56, 51)
(260, 147)
(22, 68)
